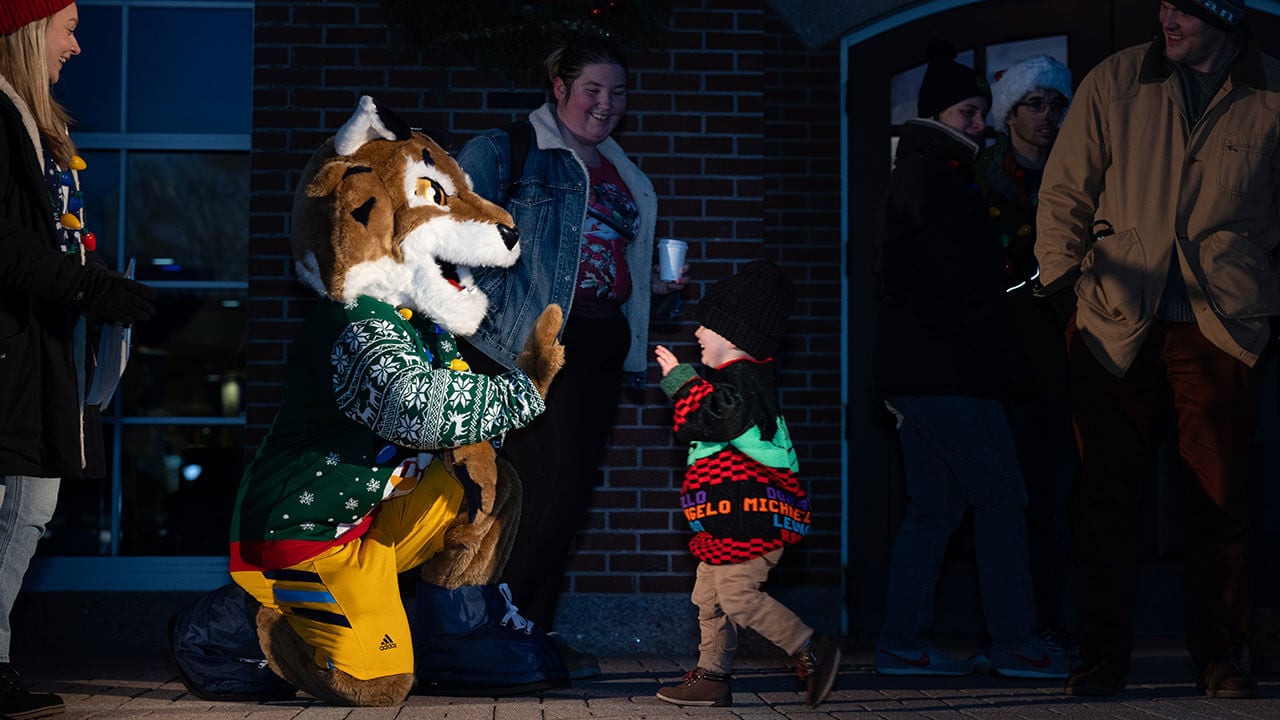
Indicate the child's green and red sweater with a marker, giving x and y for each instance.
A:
(367, 394)
(741, 494)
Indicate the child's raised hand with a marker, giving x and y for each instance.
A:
(666, 360)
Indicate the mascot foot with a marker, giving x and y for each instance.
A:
(471, 641)
(294, 660)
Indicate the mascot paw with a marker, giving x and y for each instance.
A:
(543, 356)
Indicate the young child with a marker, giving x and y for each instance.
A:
(740, 493)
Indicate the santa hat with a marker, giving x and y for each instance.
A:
(1013, 84)
(1222, 14)
(749, 309)
(16, 13)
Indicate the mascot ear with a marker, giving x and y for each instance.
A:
(369, 123)
(330, 174)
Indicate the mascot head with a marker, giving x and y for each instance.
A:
(383, 211)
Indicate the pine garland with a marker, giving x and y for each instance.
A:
(515, 36)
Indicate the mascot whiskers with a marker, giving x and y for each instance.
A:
(380, 458)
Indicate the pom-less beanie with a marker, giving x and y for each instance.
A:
(750, 308)
(16, 13)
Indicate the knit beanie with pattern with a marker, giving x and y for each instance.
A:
(947, 82)
(16, 13)
(750, 308)
(1222, 14)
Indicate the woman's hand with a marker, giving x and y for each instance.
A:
(666, 360)
(658, 286)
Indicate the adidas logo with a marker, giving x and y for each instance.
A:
(387, 643)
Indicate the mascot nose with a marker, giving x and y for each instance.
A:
(510, 235)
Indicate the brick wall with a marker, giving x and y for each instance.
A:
(736, 124)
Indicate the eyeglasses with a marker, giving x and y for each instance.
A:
(1038, 105)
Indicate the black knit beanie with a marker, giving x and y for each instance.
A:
(947, 82)
(1222, 14)
(750, 308)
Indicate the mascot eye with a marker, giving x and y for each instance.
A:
(437, 193)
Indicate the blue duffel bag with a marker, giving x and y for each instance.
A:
(213, 646)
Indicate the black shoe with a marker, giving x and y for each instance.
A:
(581, 665)
(817, 665)
(1223, 677)
(1098, 677)
(19, 703)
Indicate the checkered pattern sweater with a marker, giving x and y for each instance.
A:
(741, 495)
(368, 395)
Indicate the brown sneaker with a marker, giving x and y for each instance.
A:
(817, 665)
(700, 688)
(1225, 678)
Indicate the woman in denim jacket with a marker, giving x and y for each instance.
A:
(586, 217)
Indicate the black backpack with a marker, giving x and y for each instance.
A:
(520, 134)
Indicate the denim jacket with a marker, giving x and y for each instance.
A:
(549, 205)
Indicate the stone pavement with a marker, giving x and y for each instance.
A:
(1160, 686)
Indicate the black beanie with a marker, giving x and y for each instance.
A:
(947, 82)
(1222, 14)
(750, 308)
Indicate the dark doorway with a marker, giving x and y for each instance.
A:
(1088, 30)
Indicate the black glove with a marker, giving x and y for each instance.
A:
(1061, 296)
(114, 298)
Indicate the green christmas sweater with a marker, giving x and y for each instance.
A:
(741, 493)
(368, 394)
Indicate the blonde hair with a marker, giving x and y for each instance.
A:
(24, 65)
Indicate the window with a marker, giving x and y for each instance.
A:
(162, 101)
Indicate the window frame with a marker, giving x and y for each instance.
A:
(114, 571)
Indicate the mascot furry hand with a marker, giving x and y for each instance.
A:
(379, 459)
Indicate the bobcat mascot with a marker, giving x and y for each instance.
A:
(380, 457)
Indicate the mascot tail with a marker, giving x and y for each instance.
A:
(473, 641)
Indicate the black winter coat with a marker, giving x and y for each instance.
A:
(44, 429)
(942, 329)
(1043, 345)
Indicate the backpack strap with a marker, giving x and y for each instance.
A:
(520, 133)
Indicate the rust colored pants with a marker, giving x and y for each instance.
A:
(1120, 424)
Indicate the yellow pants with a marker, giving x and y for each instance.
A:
(346, 602)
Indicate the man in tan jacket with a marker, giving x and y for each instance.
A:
(1157, 233)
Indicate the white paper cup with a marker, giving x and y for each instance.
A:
(671, 254)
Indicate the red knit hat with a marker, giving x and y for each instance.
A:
(16, 13)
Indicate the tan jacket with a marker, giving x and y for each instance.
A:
(1127, 155)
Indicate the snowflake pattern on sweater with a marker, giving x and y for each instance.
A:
(368, 396)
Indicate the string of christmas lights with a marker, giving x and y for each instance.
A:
(515, 36)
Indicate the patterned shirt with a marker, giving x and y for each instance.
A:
(604, 281)
(368, 396)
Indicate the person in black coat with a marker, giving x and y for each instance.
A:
(942, 362)
(49, 281)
